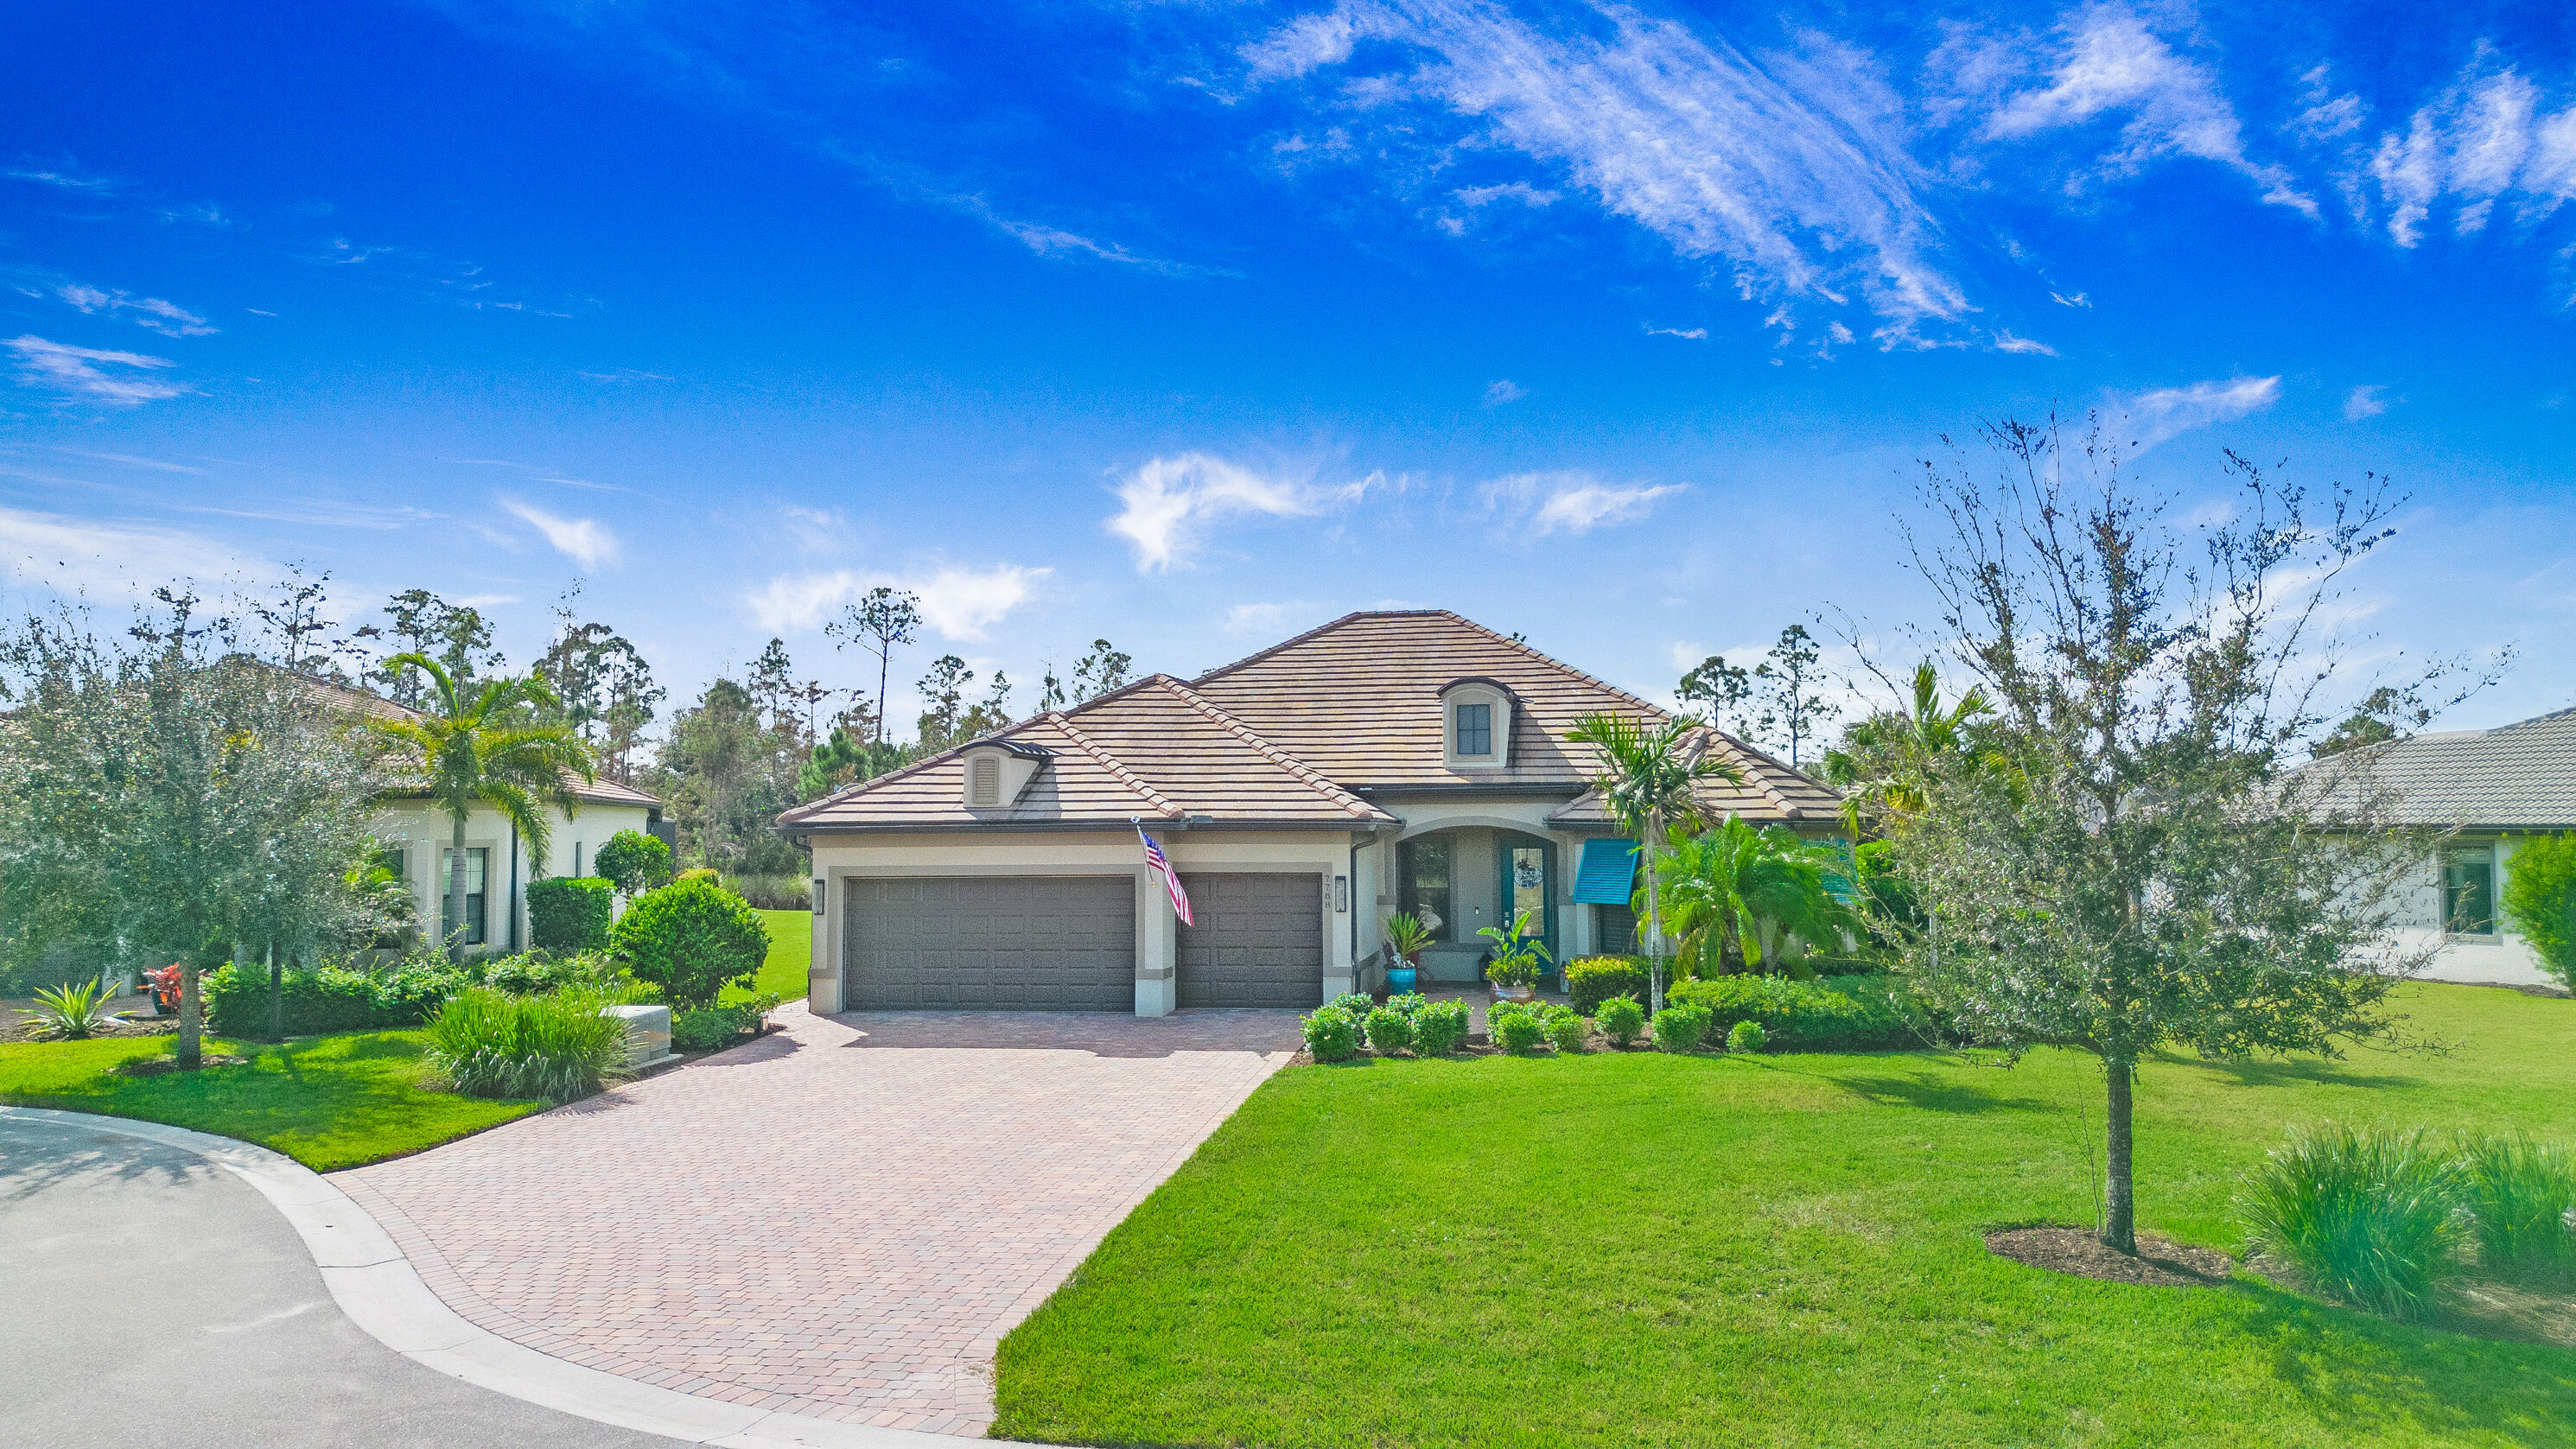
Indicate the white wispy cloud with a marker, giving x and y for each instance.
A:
(2168, 412)
(586, 541)
(1168, 503)
(2105, 60)
(2364, 402)
(2006, 342)
(959, 601)
(131, 461)
(119, 379)
(1055, 241)
(167, 318)
(67, 178)
(1691, 334)
(1793, 172)
(2487, 139)
(2063, 300)
(1503, 390)
(1520, 191)
(78, 555)
(1573, 501)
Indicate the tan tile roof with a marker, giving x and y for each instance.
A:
(1300, 733)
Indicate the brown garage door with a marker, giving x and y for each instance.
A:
(990, 943)
(1259, 940)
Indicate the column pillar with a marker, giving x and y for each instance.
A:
(823, 972)
(1158, 934)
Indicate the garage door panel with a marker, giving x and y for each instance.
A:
(1259, 940)
(969, 943)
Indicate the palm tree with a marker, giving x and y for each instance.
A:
(1734, 886)
(487, 747)
(1649, 778)
(1886, 759)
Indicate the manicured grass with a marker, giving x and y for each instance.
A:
(326, 1101)
(1770, 1251)
(791, 952)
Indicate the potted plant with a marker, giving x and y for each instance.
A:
(1519, 959)
(1405, 938)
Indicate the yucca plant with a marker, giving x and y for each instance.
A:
(69, 1013)
(2521, 1194)
(489, 1043)
(2371, 1215)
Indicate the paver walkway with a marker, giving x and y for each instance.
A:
(841, 1219)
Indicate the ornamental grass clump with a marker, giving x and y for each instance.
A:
(2371, 1215)
(2521, 1195)
(1389, 1031)
(68, 1013)
(489, 1043)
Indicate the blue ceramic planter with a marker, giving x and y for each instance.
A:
(1399, 980)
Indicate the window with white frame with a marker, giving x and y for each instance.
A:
(2468, 891)
(1477, 725)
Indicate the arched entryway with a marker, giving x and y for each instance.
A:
(1460, 881)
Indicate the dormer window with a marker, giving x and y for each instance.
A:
(1476, 725)
(998, 772)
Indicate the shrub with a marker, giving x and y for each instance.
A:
(2371, 1216)
(414, 988)
(1744, 1036)
(326, 998)
(559, 1047)
(1438, 1027)
(692, 938)
(1620, 1018)
(1332, 1035)
(1853, 1014)
(714, 1028)
(2520, 1193)
(634, 862)
(68, 1013)
(1514, 1027)
(2540, 895)
(1389, 1031)
(1681, 1028)
(706, 873)
(1410, 1003)
(537, 971)
(1591, 980)
(1358, 1003)
(1566, 1029)
(570, 913)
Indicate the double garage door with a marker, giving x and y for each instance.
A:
(1068, 943)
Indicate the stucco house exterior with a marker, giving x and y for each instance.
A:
(1406, 760)
(2490, 789)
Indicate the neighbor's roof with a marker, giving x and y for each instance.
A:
(332, 694)
(2515, 777)
(1303, 733)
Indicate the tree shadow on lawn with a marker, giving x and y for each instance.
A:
(2355, 1371)
(1934, 1094)
(2286, 1071)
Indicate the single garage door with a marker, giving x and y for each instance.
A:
(1259, 940)
(991, 943)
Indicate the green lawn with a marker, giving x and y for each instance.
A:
(326, 1101)
(1782, 1250)
(791, 951)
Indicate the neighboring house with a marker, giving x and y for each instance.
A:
(1408, 760)
(420, 837)
(2490, 788)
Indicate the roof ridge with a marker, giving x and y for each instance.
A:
(1277, 756)
(1262, 654)
(1546, 658)
(1118, 771)
(1753, 777)
(860, 787)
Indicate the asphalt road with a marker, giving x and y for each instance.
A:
(148, 1297)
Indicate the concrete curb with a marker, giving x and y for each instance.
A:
(376, 1286)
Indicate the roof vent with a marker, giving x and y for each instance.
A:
(984, 780)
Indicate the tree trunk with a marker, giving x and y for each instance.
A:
(452, 926)
(885, 665)
(276, 996)
(1654, 919)
(2119, 1199)
(191, 1019)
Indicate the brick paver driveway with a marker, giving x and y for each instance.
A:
(841, 1219)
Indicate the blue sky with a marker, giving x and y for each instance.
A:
(1193, 324)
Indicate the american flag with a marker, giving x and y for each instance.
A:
(1171, 879)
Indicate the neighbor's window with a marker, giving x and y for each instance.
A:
(984, 781)
(2468, 893)
(1422, 868)
(476, 861)
(1475, 730)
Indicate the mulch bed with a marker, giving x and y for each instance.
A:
(158, 1066)
(2161, 1262)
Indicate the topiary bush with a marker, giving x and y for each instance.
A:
(634, 862)
(2372, 1216)
(571, 913)
(1591, 980)
(692, 939)
(1566, 1029)
(1681, 1028)
(1389, 1031)
(1514, 1027)
(1745, 1036)
(1849, 1014)
(2520, 1193)
(1331, 1034)
(1438, 1027)
(1621, 1019)
(491, 1044)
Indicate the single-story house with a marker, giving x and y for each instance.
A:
(420, 837)
(2489, 789)
(1408, 760)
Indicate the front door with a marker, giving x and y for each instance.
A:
(1528, 883)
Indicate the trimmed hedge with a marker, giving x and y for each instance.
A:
(570, 913)
(714, 1028)
(345, 998)
(1854, 1014)
(1592, 980)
